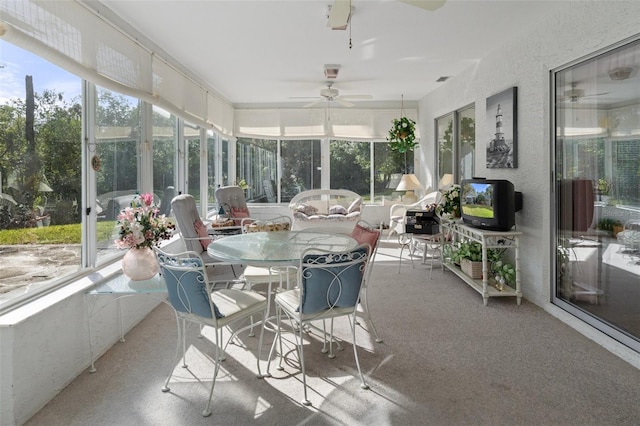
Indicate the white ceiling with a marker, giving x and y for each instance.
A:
(266, 52)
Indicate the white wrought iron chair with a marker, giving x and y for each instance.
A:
(365, 233)
(329, 285)
(195, 233)
(192, 297)
(233, 203)
(398, 211)
(259, 274)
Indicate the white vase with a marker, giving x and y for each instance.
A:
(140, 264)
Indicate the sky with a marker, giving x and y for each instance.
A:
(16, 63)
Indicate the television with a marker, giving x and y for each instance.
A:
(489, 204)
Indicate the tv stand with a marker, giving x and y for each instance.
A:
(488, 239)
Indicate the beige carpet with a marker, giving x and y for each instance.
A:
(446, 359)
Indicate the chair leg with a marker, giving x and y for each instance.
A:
(363, 384)
(207, 410)
(365, 307)
(179, 343)
(264, 320)
(277, 339)
(305, 401)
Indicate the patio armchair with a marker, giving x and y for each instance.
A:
(232, 202)
(329, 285)
(365, 233)
(398, 211)
(192, 297)
(193, 230)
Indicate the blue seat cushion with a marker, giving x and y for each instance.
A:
(333, 285)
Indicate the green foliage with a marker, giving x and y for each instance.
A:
(504, 270)
(63, 234)
(54, 234)
(607, 224)
(402, 135)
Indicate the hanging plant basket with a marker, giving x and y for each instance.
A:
(402, 135)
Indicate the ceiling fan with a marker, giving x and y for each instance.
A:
(340, 10)
(574, 94)
(330, 94)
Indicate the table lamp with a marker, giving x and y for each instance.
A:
(409, 183)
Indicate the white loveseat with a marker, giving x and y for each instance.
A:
(332, 210)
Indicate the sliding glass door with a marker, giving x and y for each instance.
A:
(597, 191)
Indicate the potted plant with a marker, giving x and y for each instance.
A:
(140, 228)
(602, 190)
(402, 137)
(468, 254)
(450, 204)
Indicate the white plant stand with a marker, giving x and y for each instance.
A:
(488, 240)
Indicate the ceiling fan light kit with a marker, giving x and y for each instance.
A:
(621, 73)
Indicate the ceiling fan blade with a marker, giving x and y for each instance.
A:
(339, 14)
(425, 4)
(343, 103)
(355, 97)
(314, 103)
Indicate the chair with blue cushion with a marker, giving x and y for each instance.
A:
(192, 297)
(329, 285)
(365, 233)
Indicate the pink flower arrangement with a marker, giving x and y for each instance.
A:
(141, 226)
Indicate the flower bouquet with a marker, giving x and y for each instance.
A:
(450, 204)
(141, 226)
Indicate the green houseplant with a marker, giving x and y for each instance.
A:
(402, 137)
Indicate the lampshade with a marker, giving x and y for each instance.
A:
(409, 183)
(446, 181)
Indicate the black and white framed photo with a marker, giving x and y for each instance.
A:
(502, 115)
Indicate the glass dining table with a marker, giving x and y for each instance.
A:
(279, 248)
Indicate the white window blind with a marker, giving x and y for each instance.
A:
(75, 38)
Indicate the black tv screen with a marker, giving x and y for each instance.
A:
(489, 203)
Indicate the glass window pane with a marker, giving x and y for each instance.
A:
(192, 139)
(301, 168)
(389, 167)
(40, 173)
(165, 141)
(466, 142)
(117, 140)
(597, 153)
(351, 166)
(256, 169)
(444, 131)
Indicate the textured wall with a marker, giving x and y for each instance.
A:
(582, 27)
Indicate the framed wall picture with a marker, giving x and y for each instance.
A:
(502, 119)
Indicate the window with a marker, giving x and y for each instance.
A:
(597, 192)
(351, 166)
(256, 169)
(40, 174)
(456, 137)
(444, 132)
(165, 141)
(301, 167)
(117, 141)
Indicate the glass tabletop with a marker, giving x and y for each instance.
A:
(272, 248)
(120, 284)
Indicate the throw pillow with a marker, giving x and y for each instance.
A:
(306, 209)
(239, 213)
(337, 209)
(355, 206)
(364, 235)
(201, 230)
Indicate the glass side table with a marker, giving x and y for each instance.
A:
(119, 286)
